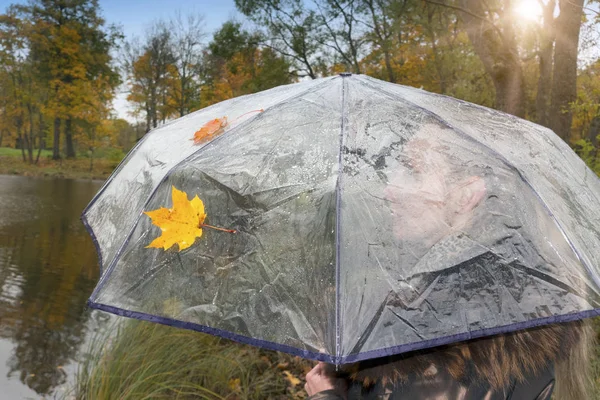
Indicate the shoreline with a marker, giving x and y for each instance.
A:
(63, 169)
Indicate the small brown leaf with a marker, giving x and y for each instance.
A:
(291, 378)
(283, 365)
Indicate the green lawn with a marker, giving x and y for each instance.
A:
(11, 163)
(7, 151)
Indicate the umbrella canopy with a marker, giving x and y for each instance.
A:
(370, 219)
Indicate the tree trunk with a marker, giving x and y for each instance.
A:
(20, 137)
(594, 131)
(30, 137)
(29, 148)
(56, 146)
(508, 81)
(497, 50)
(564, 79)
(148, 120)
(91, 159)
(69, 138)
(542, 101)
(437, 60)
(388, 66)
(183, 99)
(40, 137)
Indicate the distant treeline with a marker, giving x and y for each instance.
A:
(61, 65)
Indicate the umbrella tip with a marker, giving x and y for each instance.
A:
(345, 74)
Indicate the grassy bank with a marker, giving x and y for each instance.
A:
(150, 361)
(11, 163)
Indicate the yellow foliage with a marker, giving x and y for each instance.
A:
(338, 69)
(244, 73)
(146, 88)
(232, 82)
(587, 107)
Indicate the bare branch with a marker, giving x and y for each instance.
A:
(461, 9)
(464, 10)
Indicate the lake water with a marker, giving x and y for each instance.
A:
(48, 268)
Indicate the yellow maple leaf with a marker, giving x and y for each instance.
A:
(181, 224)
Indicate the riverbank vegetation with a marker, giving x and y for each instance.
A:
(144, 360)
(11, 163)
(150, 361)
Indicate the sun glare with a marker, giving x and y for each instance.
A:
(529, 10)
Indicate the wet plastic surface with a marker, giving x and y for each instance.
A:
(372, 219)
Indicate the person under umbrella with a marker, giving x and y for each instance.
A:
(440, 204)
(355, 219)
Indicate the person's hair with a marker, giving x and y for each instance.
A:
(497, 360)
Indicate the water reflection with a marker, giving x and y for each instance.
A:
(48, 268)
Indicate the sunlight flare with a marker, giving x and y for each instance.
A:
(529, 10)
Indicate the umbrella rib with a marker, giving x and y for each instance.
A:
(119, 252)
(338, 330)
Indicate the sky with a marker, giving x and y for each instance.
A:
(134, 16)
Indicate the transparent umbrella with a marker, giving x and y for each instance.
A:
(355, 219)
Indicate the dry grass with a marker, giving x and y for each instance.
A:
(150, 361)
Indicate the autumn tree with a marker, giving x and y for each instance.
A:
(69, 45)
(235, 64)
(493, 35)
(344, 31)
(415, 43)
(92, 110)
(292, 30)
(492, 30)
(586, 116)
(23, 94)
(545, 56)
(379, 18)
(564, 76)
(187, 37)
(227, 41)
(11, 63)
(152, 74)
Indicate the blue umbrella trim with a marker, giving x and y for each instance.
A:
(389, 351)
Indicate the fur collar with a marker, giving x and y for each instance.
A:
(496, 361)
